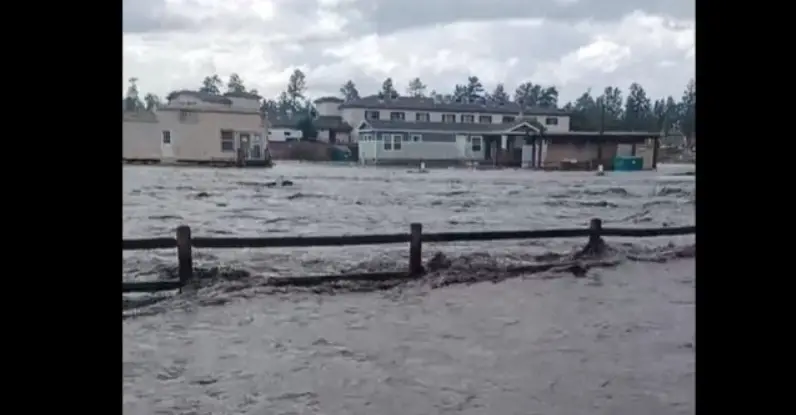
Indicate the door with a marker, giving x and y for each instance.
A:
(256, 152)
(166, 143)
(463, 146)
(245, 144)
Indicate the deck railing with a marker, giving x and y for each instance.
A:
(184, 242)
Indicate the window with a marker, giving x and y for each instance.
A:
(551, 121)
(422, 117)
(468, 118)
(188, 116)
(255, 151)
(508, 118)
(387, 142)
(475, 143)
(166, 136)
(396, 142)
(397, 116)
(485, 119)
(287, 133)
(227, 140)
(366, 137)
(416, 138)
(371, 115)
(449, 118)
(404, 137)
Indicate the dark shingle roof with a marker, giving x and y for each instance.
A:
(429, 104)
(334, 123)
(449, 127)
(203, 96)
(321, 100)
(247, 95)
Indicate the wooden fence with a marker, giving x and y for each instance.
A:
(184, 243)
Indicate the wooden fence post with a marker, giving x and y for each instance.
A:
(184, 255)
(596, 245)
(415, 249)
(596, 227)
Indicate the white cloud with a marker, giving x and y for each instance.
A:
(337, 40)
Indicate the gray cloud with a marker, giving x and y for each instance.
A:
(388, 16)
(399, 39)
(142, 16)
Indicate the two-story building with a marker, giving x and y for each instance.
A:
(407, 130)
(328, 122)
(195, 127)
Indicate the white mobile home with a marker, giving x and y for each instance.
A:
(522, 142)
(195, 127)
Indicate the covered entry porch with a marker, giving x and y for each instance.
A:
(519, 146)
(586, 150)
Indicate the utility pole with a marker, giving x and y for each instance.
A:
(601, 100)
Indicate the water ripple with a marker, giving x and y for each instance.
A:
(580, 338)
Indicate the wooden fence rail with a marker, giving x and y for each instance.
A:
(184, 243)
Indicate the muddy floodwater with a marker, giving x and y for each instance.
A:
(616, 337)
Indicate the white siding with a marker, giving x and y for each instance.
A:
(354, 116)
(141, 140)
(245, 103)
(344, 138)
(200, 140)
(374, 151)
(328, 109)
(367, 151)
(282, 134)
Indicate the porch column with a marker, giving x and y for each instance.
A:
(655, 144)
(533, 153)
(599, 151)
(504, 142)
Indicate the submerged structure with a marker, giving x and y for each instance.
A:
(198, 128)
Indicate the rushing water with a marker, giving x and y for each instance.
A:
(617, 340)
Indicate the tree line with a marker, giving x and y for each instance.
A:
(613, 109)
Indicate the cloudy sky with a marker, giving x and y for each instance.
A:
(573, 44)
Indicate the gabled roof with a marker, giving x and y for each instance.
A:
(322, 100)
(202, 96)
(531, 126)
(247, 95)
(332, 123)
(429, 104)
(527, 123)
